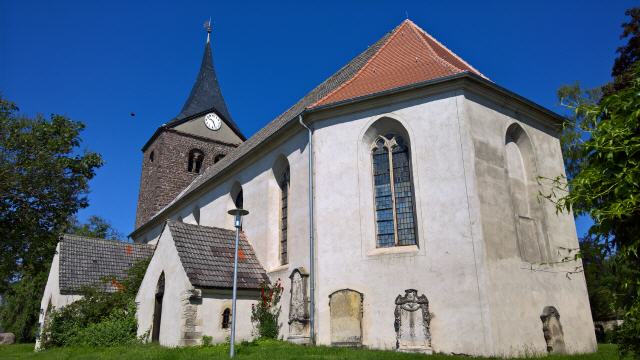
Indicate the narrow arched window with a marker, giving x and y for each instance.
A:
(284, 205)
(393, 192)
(226, 318)
(157, 311)
(522, 177)
(151, 155)
(196, 157)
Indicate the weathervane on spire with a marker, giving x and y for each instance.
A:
(208, 27)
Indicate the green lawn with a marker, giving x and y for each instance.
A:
(270, 350)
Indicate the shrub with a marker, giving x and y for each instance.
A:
(119, 328)
(207, 340)
(266, 313)
(100, 318)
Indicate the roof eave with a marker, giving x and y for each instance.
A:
(175, 122)
(462, 75)
(455, 77)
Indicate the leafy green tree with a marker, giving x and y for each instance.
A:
(607, 188)
(94, 227)
(601, 279)
(601, 146)
(628, 55)
(44, 180)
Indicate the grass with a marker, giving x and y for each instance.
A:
(268, 350)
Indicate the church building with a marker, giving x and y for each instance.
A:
(397, 202)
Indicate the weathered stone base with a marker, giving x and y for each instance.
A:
(420, 350)
(300, 340)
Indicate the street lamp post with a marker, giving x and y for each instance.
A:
(238, 214)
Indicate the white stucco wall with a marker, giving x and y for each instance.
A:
(165, 259)
(210, 317)
(52, 295)
(518, 290)
(480, 305)
(208, 304)
(442, 266)
(262, 198)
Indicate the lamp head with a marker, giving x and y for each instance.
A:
(238, 214)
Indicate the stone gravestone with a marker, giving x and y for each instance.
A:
(345, 311)
(299, 308)
(412, 322)
(552, 330)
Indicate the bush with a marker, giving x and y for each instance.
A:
(207, 340)
(628, 334)
(100, 318)
(266, 313)
(119, 328)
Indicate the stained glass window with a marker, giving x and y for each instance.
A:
(393, 192)
(284, 199)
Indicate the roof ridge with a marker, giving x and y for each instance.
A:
(93, 238)
(424, 32)
(197, 225)
(393, 33)
(433, 51)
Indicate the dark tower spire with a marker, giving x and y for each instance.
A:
(206, 94)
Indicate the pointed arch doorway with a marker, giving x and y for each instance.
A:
(157, 310)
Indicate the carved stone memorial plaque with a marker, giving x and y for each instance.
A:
(299, 307)
(412, 322)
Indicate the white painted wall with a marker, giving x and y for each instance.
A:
(518, 291)
(480, 306)
(165, 259)
(178, 289)
(52, 295)
(210, 317)
(347, 254)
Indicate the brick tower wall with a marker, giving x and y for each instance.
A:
(166, 176)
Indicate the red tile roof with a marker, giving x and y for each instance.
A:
(408, 56)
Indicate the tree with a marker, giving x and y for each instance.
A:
(44, 180)
(628, 55)
(607, 188)
(94, 227)
(601, 145)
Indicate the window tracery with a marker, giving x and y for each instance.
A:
(393, 192)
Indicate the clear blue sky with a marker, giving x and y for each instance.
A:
(98, 61)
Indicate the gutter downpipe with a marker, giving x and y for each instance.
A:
(312, 273)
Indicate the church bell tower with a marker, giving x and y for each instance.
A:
(181, 149)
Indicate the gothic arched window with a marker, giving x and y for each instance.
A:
(393, 192)
(284, 205)
(196, 157)
(226, 318)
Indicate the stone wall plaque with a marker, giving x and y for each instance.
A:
(299, 307)
(412, 322)
(345, 309)
(552, 330)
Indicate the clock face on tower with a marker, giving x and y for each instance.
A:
(212, 121)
